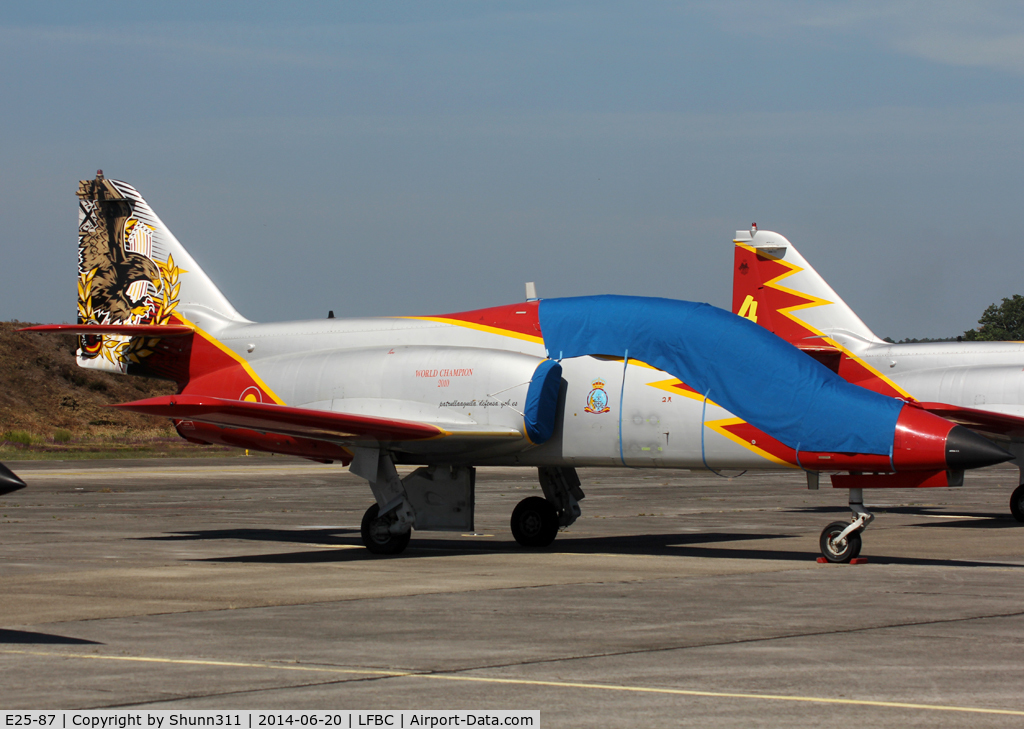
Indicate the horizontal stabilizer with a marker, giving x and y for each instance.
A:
(126, 330)
(983, 420)
(267, 417)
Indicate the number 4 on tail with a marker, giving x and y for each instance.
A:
(749, 309)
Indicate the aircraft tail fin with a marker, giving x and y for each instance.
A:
(132, 271)
(774, 286)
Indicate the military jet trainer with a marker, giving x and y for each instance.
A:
(551, 384)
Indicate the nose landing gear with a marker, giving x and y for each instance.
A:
(840, 541)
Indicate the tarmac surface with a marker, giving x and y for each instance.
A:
(678, 599)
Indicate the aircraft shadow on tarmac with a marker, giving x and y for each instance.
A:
(26, 637)
(328, 536)
(672, 544)
(422, 546)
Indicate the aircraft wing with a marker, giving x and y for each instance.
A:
(987, 421)
(300, 422)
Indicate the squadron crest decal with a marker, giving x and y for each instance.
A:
(120, 281)
(597, 399)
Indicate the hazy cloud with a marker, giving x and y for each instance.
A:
(984, 34)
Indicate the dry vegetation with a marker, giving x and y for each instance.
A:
(52, 408)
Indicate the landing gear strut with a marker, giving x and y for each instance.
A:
(840, 541)
(377, 532)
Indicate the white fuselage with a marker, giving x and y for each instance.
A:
(469, 381)
(981, 375)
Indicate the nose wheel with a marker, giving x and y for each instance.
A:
(838, 548)
(840, 541)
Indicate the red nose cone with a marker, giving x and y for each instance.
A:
(927, 442)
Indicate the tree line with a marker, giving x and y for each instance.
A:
(999, 323)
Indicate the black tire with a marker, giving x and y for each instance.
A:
(846, 550)
(376, 534)
(534, 522)
(1017, 503)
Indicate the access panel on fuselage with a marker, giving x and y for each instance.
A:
(663, 422)
(590, 432)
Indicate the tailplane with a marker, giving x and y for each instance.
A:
(774, 286)
(133, 272)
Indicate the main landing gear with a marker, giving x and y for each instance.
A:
(1017, 497)
(536, 520)
(1017, 503)
(441, 498)
(432, 498)
(377, 533)
(841, 541)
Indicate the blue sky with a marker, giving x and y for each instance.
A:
(417, 158)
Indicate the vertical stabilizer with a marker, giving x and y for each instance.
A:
(132, 270)
(774, 286)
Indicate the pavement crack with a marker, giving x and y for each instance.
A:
(739, 641)
(244, 692)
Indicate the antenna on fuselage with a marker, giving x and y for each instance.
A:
(531, 291)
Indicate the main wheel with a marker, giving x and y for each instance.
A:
(1017, 503)
(534, 522)
(842, 551)
(377, 535)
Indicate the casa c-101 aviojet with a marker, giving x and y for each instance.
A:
(979, 385)
(553, 384)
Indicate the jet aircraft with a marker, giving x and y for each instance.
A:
(553, 384)
(975, 384)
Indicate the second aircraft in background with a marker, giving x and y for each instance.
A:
(977, 384)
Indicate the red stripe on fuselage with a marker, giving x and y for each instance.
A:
(519, 318)
(200, 366)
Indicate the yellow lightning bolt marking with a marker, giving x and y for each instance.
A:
(719, 426)
(812, 301)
